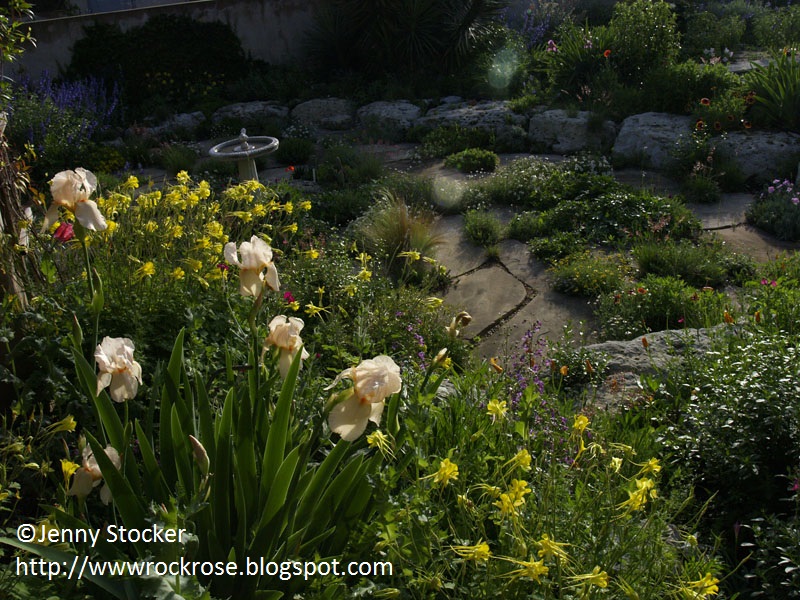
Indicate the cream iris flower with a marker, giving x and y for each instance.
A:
(71, 189)
(256, 256)
(114, 357)
(284, 334)
(89, 475)
(373, 380)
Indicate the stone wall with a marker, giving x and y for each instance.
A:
(270, 30)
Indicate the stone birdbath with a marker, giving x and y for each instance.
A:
(244, 150)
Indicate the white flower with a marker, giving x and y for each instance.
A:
(71, 189)
(284, 334)
(256, 256)
(373, 381)
(114, 357)
(89, 475)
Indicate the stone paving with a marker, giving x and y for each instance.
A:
(508, 294)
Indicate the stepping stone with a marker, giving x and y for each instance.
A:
(728, 212)
(486, 294)
(754, 243)
(455, 252)
(552, 309)
(517, 258)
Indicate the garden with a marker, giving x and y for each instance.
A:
(214, 387)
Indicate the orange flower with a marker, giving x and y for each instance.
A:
(747, 124)
(645, 343)
(589, 368)
(726, 316)
(495, 365)
(641, 290)
(700, 124)
(705, 102)
(564, 370)
(758, 316)
(607, 53)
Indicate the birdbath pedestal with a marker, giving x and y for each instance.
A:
(244, 151)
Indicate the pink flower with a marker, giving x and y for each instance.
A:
(288, 297)
(795, 200)
(771, 189)
(551, 46)
(66, 232)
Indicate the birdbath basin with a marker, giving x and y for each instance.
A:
(244, 150)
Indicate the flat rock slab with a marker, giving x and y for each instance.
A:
(517, 258)
(455, 252)
(728, 212)
(488, 295)
(754, 243)
(551, 310)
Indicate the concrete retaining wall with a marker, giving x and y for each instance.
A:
(270, 30)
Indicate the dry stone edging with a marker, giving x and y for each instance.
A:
(558, 131)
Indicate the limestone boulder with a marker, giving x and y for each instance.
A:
(181, 123)
(251, 111)
(558, 131)
(761, 155)
(650, 139)
(393, 117)
(509, 127)
(334, 114)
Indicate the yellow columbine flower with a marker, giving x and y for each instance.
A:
(68, 468)
(112, 227)
(194, 264)
(351, 289)
(518, 490)
(411, 255)
(132, 183)
(151, 226)
(313, 310)
(433, 302)
(497, 409)
(580, 424)
(651, 466)
(203, 190)
(381, 441)
(294, 305)
(596, 577)
(521, 459)
(312, 254)
(290, 228)
(532, 569)
(215, 229)
(259, 210)
(702, 588)
(67, 424)
(448, 471)
(176, 232)
(364, 258)
(616, 464)
(551, 549)
(364, 275)
(505, 505)
(177, 274)
(183, 177)
(645, 489)
(479, 552)
(305, 205)
(148, 269)
(288, 208)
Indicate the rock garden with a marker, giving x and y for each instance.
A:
(511, 309)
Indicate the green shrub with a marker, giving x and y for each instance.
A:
(473, 160)
(149, 61)
(525, 226)
(777, 90)
(738, 425)
(777, 211)
(777, 28)
(678, 87)
(482, 228)
(774, 570)
(644, 38)
(701, 187)
(339, 207)
(177, 157)
(450, 139)
(344, 166)
(706, 30)
(698, 265)
(556, 245)
(294, 151)
(655, 304)
(589, 274)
